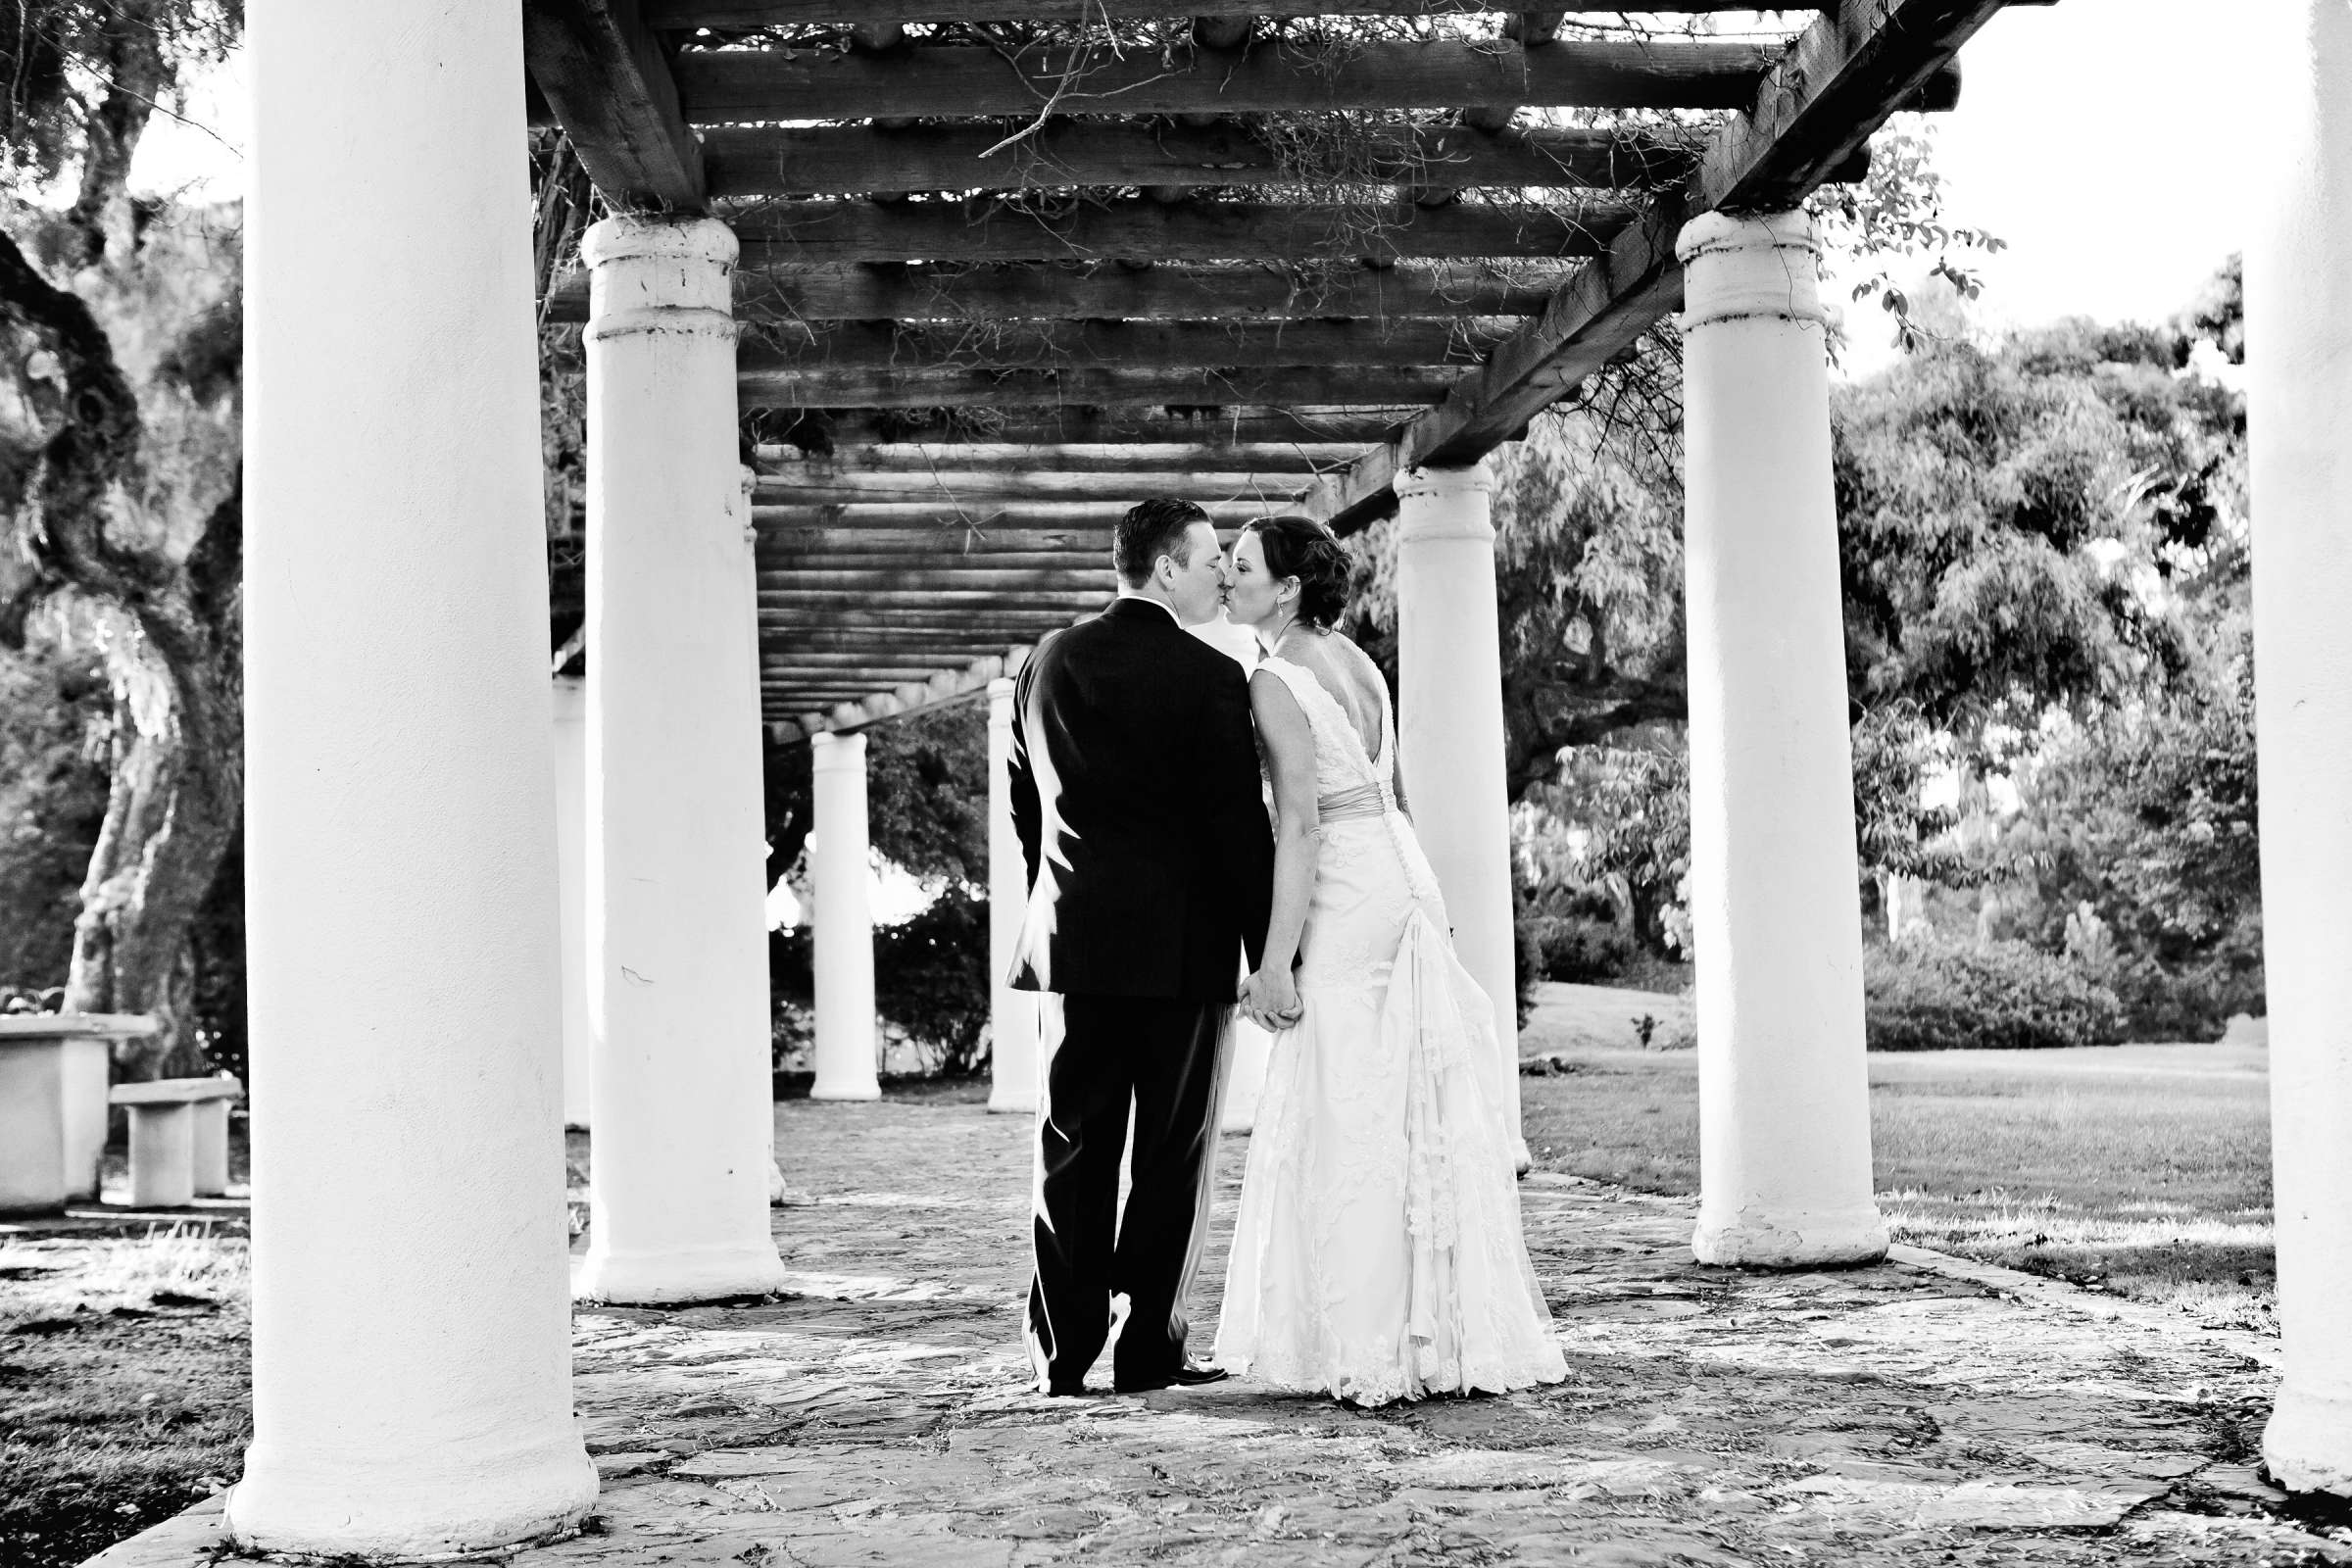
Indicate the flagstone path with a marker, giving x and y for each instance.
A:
(1918, 1412)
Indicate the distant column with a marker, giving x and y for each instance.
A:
(677, 888)
(1450, 729)
(842, 927)
(1785, 1173)
(412, 1336)
(570, 700)
(1013, 1053)
(2299, 409)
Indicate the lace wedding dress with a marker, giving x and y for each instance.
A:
(1377, 1254)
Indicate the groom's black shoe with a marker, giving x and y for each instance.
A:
(1188, 1375)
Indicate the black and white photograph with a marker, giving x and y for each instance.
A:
(1341, 784)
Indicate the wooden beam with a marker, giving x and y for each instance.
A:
(1085, 570)
(988, 230)
(1844, 76)
(949, 523)
(1381, 386)
(966, 579)
(1267, 461)
(1241, 424)
(1113, 345)
(986, 631)
(942, 689)
(604, 77)
(956, 488)
(1071, 601)
(964, 81)
(859, 160)
(742, 14)
(1107, 292)
(935, 542)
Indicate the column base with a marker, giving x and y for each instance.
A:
(420, 1506)
(1793, 1239)
(659, 1276)
(2307, 1446)
(848, 1092)
(1012, 1104)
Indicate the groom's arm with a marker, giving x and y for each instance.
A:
(1235, 810)
(1027, 819)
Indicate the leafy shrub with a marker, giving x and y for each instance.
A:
(1936, 995)
(1580, 950)
(1527, 962)
(930, 979)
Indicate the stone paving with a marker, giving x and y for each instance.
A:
(1922, 1412)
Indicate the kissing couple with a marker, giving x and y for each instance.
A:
(1377, 1254)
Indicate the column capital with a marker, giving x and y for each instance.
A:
(1445, 502)
(1000, 699)
(671, 275)
(832, 750)
(1744, 267)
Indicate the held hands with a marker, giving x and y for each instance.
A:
(1271, 1000)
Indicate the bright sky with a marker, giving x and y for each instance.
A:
(2103, 140)
(2100, 138)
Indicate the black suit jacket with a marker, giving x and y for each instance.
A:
(1135, 791)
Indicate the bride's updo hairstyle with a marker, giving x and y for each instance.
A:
(1304, 548)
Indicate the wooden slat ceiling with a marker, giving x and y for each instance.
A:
(1010, 265)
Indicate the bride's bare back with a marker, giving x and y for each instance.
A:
(1353, 681)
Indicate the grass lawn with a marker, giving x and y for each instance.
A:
(2141, 1168)
(123, 1387)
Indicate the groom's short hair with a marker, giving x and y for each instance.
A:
(1150, 529)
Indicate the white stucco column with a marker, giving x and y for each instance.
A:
(1012, 1014)
(1783, 1092)
(570, 700)
(1450, 728)
(677, 889)
(412, 1339)
(2299, 409)
(842, 923)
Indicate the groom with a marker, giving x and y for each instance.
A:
(1135, 791)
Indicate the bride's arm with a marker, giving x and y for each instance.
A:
(1289, 743)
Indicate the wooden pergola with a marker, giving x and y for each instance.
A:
(1009, 266)
(950, 400)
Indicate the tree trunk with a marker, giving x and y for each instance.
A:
(168, 824)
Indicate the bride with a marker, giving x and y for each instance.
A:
(1377, 1256)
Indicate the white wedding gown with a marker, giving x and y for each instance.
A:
(1377, 1254)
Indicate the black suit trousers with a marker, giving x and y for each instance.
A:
(1162, 1056)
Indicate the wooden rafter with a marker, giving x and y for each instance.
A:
(1377, 385)
(1221, 424)
(943, 517)
(947, 687)
(956, 80)
(1113, 345)
(740, 14)
(825, 485)
(861, 159)
(1109, 291)
(786, 233)
(1267, 458)
(1848, 71)
(602, 74)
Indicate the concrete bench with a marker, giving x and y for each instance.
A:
(53, 1070)
(179, 1139)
